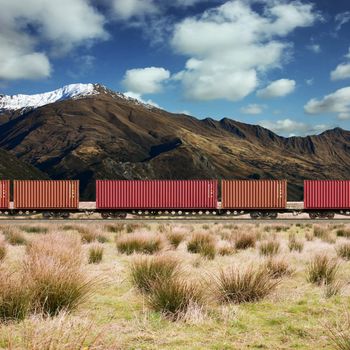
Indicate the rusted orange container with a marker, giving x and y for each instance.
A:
(46, 194)
(254, 194)
(4, 194)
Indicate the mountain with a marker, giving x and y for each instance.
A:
(13, 168)
(99, 134)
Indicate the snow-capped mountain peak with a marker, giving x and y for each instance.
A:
(72, 91)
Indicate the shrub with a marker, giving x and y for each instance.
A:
(278, 267)
(343, 232)
(174, 297)
(34, 229)
(322, 269)
(269, 248)
(15, 237)
(240, 286)
(295, 244)
(343, 251)
(101, 238)
(15, 298)
(145, 271)
(175, 238)
(202, 243)
(245, 241)
(95, 254)
(139, 243)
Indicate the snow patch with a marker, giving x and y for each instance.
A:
(72, 91)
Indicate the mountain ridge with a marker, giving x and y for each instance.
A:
(108, 135)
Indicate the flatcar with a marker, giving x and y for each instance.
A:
(117, 198)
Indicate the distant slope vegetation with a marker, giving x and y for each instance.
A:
(13, 168)
(106, 136)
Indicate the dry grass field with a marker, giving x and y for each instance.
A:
(200, 286)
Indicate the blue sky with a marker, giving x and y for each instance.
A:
(281, 64)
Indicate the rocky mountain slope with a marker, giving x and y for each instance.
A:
(105, 135)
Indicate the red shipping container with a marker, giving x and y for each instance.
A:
(254, 194)
(46, 194)
(326, 194)
(156, 194)
(4, 194)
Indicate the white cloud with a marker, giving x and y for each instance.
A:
(61, 25)
(289, 127)
(253, 109)
(145, 80)
(341, 19)
(126, 9)
(138, 97)
(230, 45)
(316, 48)
(278, 88)
(310, 81)
(341, 72)
(337, 102)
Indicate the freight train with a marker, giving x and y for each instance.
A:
(117, 198)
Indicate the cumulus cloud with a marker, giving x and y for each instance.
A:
(253, 109)
(290, 127)
(138, 97)
(229, 46)
(61, 25)
(145, 80)
(341, 19)
(134, 8)
(342, 71)
(316, 48)
(337, 102)
(278, 88)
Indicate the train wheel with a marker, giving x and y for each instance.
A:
(330, 215)
(255, 215)
(313, 216)
(105, 215)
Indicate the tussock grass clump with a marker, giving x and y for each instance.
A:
(175, 238)
(35, 229)
(15, 297)
(309, 236)
(333, 289)
(90, 236)
(57, 281)
(269, 248)
(244, 285)
(139, 243)
(278, 267)
(174, 297)
(14, 237)
(294, 244)
(145, 271)
(343, 251)
(322, 269)
(95, 254)
(3, 249)
(115, 228)
(324, 233)
(343, 232)
(132, 227)
(203, 243)
(338, 332)
(226, 249)
(59, 333)
(245, 240)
